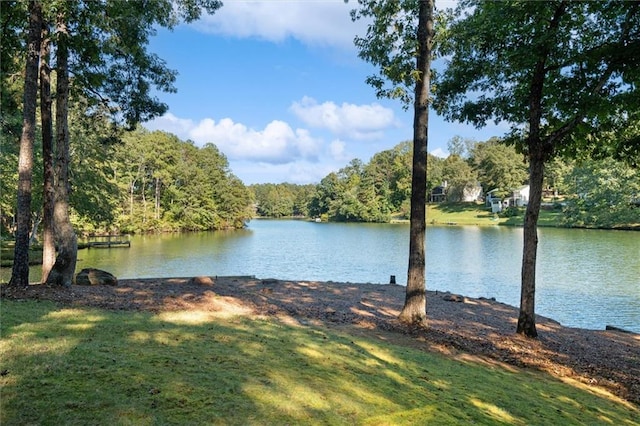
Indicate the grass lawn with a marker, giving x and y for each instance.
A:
(7, 251)
(478, 214)
(90, 366)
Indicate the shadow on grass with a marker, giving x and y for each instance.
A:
(457, 207)
(91, 366)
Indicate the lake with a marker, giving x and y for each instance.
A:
(585, 278)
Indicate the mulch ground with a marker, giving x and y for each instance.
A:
(458, 326)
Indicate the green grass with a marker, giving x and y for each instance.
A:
(478, 214)
(88, 366)
(7, 249)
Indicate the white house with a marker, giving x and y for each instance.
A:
(520, 196)
(471, 192)
(491, 197)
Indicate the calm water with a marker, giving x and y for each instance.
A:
(585, 278)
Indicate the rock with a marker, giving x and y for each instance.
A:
(269, 281)
(453, 298)
(91, 276)
(208, 281)
(618, 329)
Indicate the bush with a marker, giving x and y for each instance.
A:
(512, 212)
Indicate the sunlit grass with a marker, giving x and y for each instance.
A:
(87, 366)
(479, 215)
(461, 214)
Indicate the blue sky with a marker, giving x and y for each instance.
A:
(277, 86)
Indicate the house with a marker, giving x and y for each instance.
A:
(467, 194)
(491, 197)
(496, 205)
(493, 200)
(438, 194)
(471, 193)
(520, 196)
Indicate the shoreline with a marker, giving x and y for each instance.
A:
(446, 295)
(458, 326)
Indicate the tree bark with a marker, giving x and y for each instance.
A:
(64, 267)
(539, 151)
(157, 199)
(527, 318)
(415, 305)
(20, 271)
(48, 192)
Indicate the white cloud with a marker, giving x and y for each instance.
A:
(337, 150)
(323, 23)
(171, 124)
(354, 121)
(299, 172)
(277, 143)
(439, 152)
(303, 172)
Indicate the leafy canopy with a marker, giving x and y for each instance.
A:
(590, 64)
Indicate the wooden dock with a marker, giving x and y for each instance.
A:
(108, 241)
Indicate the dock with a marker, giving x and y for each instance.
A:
(107, 241)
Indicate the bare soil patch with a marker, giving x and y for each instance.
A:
(478, 328)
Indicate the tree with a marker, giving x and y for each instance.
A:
(89, 40)
(20, 271)
(346, 207)
(499, 166)
(561, 73)
(234, 199)
(458, 175)
(462, 147)
(12, 66)
(95, 196)
(274, 200)
(325, 194)
(65, 237)
(48, 173)
(604, 194)
(302, 196)
(103, 45)
(435, 172)
(192, 187)
(390, 172)
(394, 41)
(555, 175)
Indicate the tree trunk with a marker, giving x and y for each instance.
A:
(539, 152)
(527, 317)
(65, 265)
(415, 304)
(157, 199)
(35, 224)
(48, 192)
(20, 271)
(131, 189)
(144, 200)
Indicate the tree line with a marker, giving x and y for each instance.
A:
(596, 193)
(147, 181)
